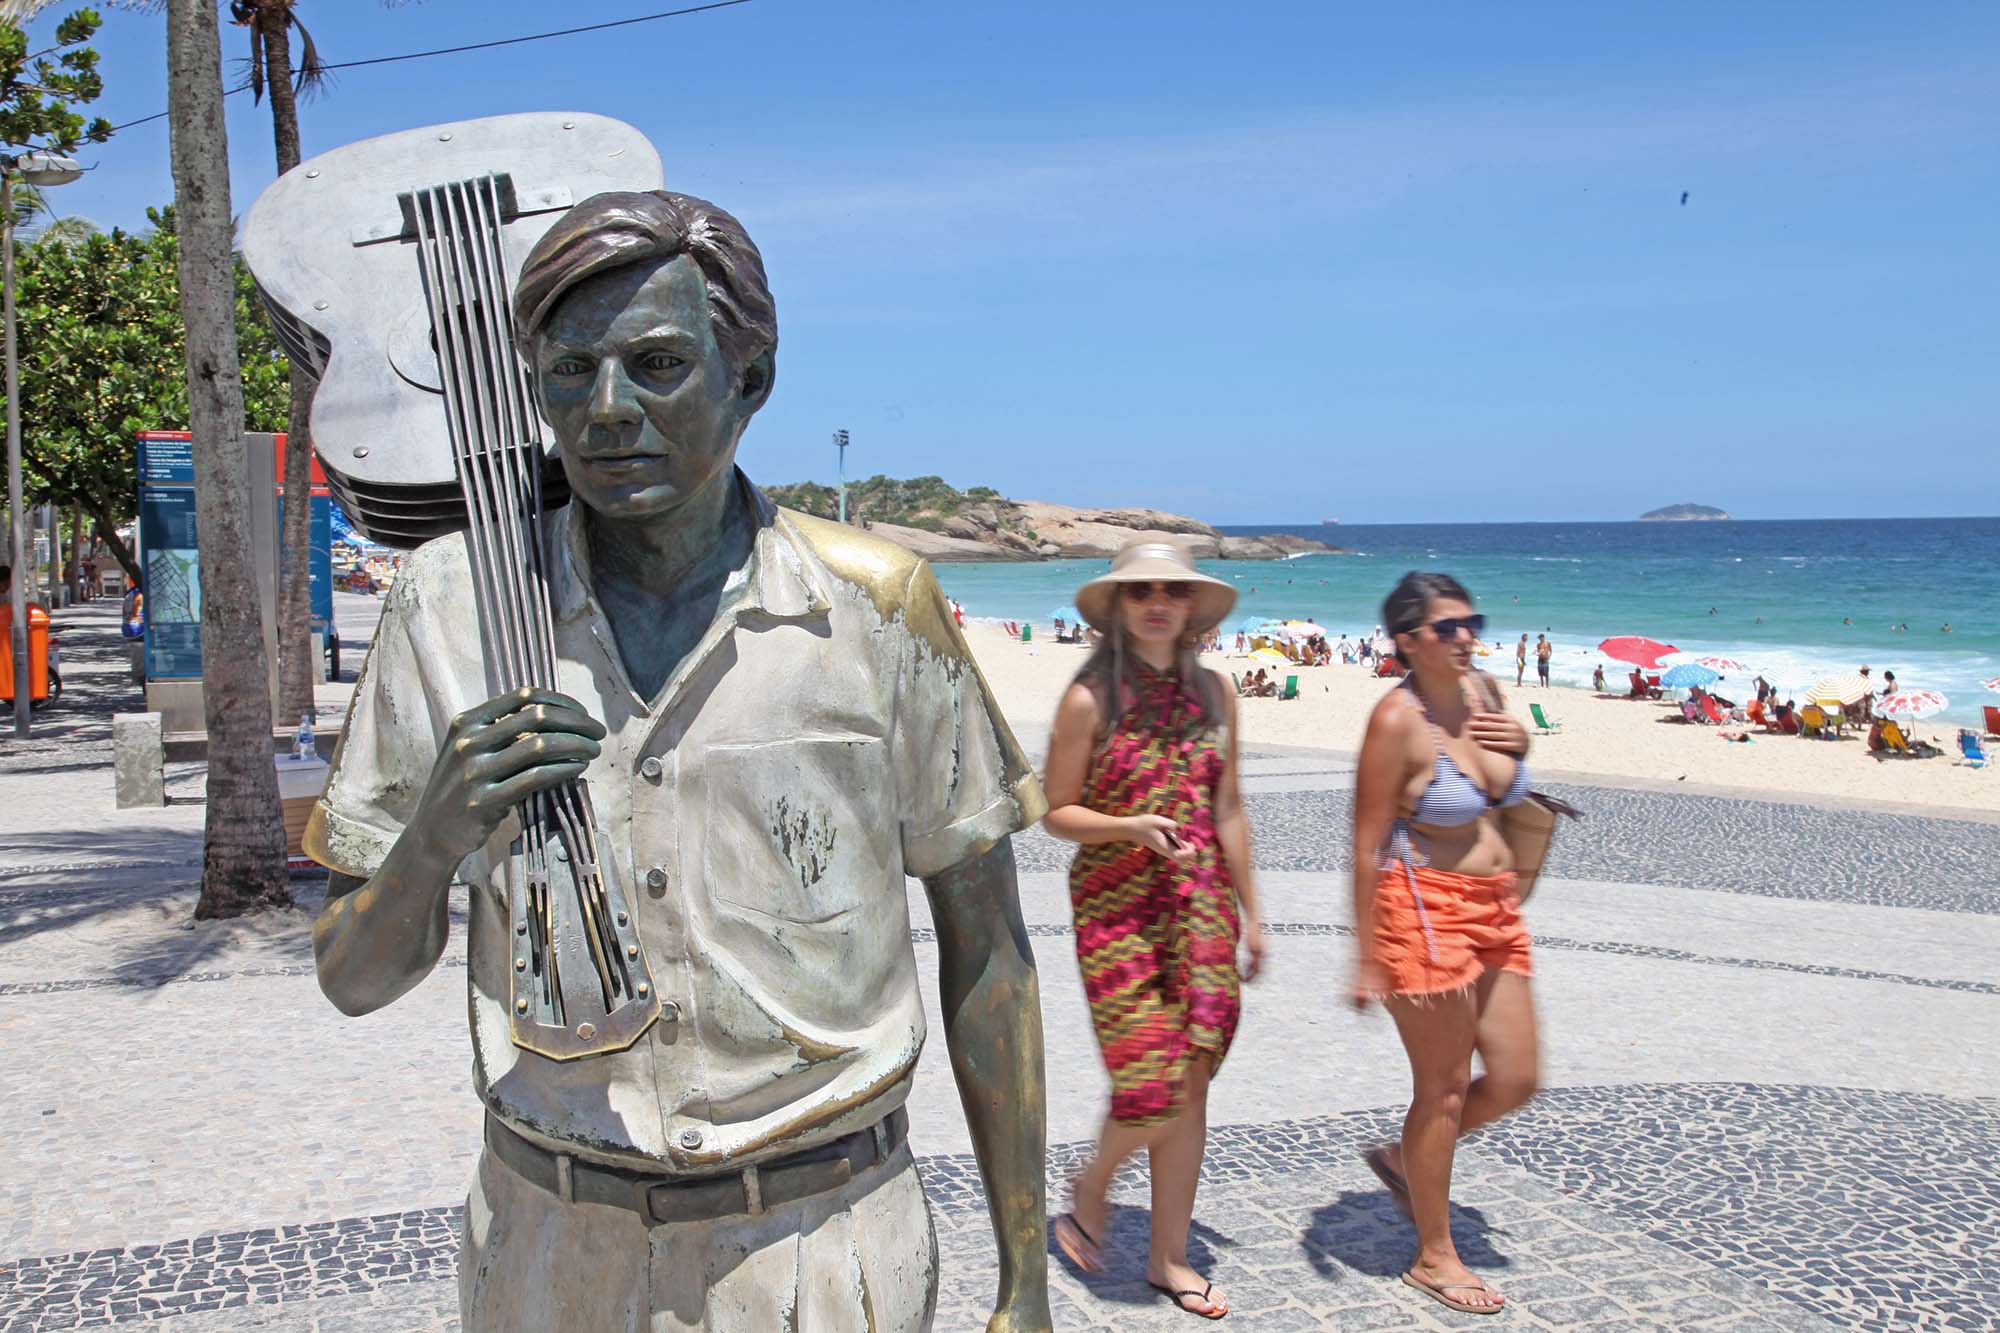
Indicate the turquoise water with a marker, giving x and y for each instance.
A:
(1584, 582)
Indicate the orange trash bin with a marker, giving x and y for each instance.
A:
(38, 653)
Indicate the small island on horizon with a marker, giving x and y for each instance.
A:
(1683, 513)
(933, 519)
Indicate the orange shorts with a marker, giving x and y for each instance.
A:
(1466, 924)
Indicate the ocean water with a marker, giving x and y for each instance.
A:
(1776, 595)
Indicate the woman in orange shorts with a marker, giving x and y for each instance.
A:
(1438, 924)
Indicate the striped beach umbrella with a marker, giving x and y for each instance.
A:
(1845, 689)
(1993, 684)
(1912, 704)
(1640, 652)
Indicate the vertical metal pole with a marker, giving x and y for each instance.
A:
(17, 513)
(840, 444)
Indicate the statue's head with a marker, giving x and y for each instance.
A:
(652, 337)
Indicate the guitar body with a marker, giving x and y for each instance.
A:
(333, 248)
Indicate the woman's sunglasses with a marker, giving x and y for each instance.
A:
(1447, 629)
(1143, 592)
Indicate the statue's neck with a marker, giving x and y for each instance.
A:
(664, 553)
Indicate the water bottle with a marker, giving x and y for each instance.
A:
(303, 746)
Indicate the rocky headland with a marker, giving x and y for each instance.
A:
(936, 521)
(1683, 513)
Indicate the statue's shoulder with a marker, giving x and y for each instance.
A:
(880, 568)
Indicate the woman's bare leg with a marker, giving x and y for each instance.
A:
(1175, 1161)
(1438, 1034)
(1508, 1056)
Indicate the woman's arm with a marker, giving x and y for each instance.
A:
(1070, 745)
(1491, 725)
(1379, 774)
(1232, 832)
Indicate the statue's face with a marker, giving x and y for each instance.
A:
(640, 397)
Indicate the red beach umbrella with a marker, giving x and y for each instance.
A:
(1640, 652)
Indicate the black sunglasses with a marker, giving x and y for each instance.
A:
(1447, 629)
(1143, 592)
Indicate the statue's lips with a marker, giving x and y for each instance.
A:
(622, 460)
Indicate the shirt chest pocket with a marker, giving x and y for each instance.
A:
(798, 830)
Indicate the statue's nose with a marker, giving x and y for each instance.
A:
(612, 401)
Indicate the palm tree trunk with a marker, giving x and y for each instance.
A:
(298, 668)
(243, 848)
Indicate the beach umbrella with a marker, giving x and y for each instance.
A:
(1272, 657)
(1689, 674)
(1640, 652)
(1847, 688)
(1721, 665)
(1912, 704)
(1993, 685)
(1067, 614)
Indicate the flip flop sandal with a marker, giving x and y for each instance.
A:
(1399, 1188)
(1436, 1291)
(1180, 1298)
(1090, 1255)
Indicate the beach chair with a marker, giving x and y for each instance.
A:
(1893, 742)
(1542, 720)
(1992, 721)
(1969, 746)
(1812, 722)
(1712, 711)
(1291, 690)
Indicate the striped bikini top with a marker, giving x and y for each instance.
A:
(1452, 800)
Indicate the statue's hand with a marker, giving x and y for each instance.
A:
(494, 757)
(1027, 1312)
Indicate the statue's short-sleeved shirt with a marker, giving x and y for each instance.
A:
(829, 735)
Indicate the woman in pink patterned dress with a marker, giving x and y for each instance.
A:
(1142, 775)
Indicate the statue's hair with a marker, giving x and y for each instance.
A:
(620, 227)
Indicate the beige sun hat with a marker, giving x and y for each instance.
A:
(1147, 561)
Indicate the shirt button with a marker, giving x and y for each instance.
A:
(656, 881)
(690, 1138)
(650, 768)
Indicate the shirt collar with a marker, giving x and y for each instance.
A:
(786, 580)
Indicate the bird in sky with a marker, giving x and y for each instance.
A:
(1684, 198)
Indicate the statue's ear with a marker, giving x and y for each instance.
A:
(758, 378)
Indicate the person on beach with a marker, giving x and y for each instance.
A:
(1143, 764)
(1438, 931)
(1521, 659)
(1544, 650)
(1597, 678)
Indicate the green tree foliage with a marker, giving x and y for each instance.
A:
(39, 89)
(920, 502)
(103, 356)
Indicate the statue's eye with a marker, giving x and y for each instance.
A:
(569, 365)
(659, 363)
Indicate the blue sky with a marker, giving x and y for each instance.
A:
(1281, 262)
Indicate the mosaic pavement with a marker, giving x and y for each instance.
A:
(1844, 1193)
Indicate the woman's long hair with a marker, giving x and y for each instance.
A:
(1109, 675)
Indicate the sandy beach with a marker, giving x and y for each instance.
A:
(1600, 738)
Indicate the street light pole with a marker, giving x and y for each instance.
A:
(40, 170)
(840, 443)
(16, 512)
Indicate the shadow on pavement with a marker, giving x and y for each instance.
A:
(1367, 1233)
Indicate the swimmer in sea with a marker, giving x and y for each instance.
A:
(1847, 620)
(1944, 629)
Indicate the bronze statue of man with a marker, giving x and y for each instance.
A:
(778, 720)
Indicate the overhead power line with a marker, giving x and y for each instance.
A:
(483, 46)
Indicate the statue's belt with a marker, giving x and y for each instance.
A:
(662, 1198)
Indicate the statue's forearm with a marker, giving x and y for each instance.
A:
(993, 1030)
(374, 944)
